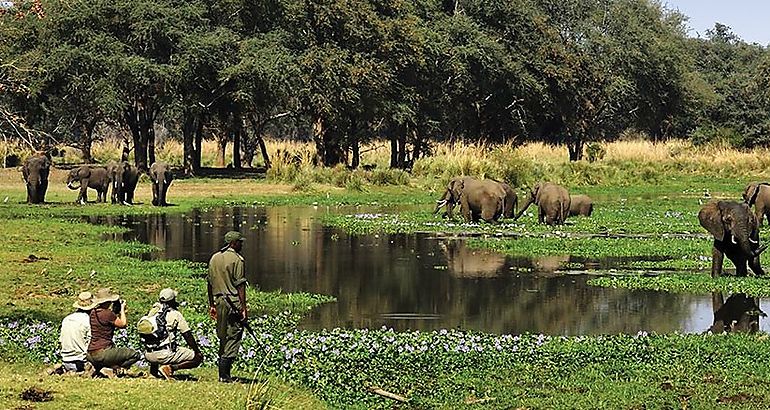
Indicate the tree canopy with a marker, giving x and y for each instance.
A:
(346, 71)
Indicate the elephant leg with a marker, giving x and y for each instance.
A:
(163, 196)
(717, 258)
(717, 301)
(155, 194)
(83, 197)
(759, 212)
(540, 214)
(740, 263)
(488, 214)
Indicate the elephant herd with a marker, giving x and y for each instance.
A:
(491, 201)
(121, 177)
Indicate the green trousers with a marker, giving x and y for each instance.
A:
(229, 328)
(112, 357)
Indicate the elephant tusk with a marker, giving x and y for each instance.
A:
(732, 238)
(753, 241)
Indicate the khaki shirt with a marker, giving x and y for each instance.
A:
(176, 325)
(226, 272)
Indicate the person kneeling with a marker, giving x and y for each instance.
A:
(160, 330)
(102, 352)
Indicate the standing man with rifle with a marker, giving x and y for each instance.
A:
(227, 300)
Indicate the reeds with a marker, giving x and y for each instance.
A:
(623, 162)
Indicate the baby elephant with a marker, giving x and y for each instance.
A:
(89, 177)
(580, 205)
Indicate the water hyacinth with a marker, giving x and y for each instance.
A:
(383, 357)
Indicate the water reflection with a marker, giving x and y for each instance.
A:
(413, 281)
(739, 313)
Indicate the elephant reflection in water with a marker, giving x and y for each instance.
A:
(463, 262)
(739, 313)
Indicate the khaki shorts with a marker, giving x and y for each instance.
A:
(182, 354)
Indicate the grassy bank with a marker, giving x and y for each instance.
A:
(200, 391)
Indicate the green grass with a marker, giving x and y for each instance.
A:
(202, 391)
(304, 369)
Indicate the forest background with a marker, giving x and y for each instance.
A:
(341, 74)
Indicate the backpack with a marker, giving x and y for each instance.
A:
(152, 327)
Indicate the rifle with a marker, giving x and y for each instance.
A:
(244, 322)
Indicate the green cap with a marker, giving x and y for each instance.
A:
(233, 236)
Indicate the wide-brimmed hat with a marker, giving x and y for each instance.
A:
(167, 295)
(85, 301)
(233, 236)
(105, 295)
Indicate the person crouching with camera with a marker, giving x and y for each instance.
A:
(109, 314)
(161, 330)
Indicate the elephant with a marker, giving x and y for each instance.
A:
(740, 313)
(478, 199)
(88, 176)
(758, 195)
(553, 202)
(123, 177)
(511, 201)
(580, 205)
(736, 235)
(161, 177)
(35, 171)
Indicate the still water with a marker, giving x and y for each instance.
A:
(415, 282)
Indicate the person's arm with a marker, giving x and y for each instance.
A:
(242, 298)
(121, 321)
(188, 337)
(212, 308)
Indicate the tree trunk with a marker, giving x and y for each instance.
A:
(236, 129)
(354, 145)
(140, 120)
(188, 137)
(393, 152)
(575, 148)
(126, 147)
(151, 143)
(87, 140)
(356, 160)
(401, 150)
(221, 150)
(198, 144)
(319, 137)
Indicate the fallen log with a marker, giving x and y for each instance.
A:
(383, 393)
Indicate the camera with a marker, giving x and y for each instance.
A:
(116, 306)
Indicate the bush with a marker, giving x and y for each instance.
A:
(595, 152)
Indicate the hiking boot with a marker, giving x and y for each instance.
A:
(167, 372)
(107, 372)
(225, 364)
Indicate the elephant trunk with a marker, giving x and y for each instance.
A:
(524, 207)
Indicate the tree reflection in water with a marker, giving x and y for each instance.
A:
(408, 281)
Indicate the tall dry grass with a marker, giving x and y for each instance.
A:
(621, 162)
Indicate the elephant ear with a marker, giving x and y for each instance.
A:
(84, 172)
(456, 188)
(747, 192)
(710, 218)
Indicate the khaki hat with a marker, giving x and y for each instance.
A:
(85, 301)
(104, 295)
(233, 236)
(167, 295)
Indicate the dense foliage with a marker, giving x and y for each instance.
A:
(343, 72)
